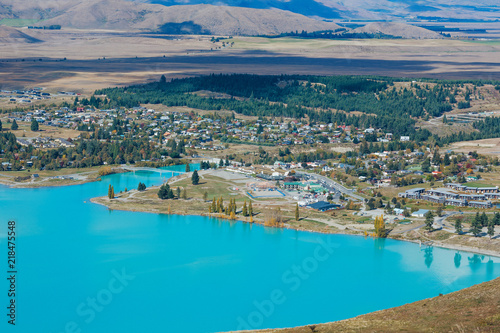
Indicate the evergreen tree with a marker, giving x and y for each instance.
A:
(205, 196)
(250, 209)
(34, 125)
(497, 219)
(214, 206)
(484, 220)
(165, 192)
(0, 125)
(297, 216)
(195, 179)
(439, 211)
(491, 228)
(141, 187)
(429, 221)
(188, 168)
(14, 125)
(476, 226)
(178, 192)
(458, 227)
(110, 192)
(184, 194)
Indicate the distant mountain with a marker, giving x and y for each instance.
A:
(367, 9)
(194, 19)
(221, 20)
(11, 35)
(398, 30)
(238, 17)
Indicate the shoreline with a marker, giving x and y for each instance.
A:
(44, 182)
(456, 247)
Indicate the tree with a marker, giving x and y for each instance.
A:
(484, 220)
(429, 221)
(458, 226)
(184, 194)
(244, 211)
(205, 196)
(476, 226)
(439, 211)
(250, 209)
(34, 125)
(188, 168)
(178, 192)
(0, 125)
(491, 228)
(195, 179)
(14, 125)
(141, 187)
(111, 192)
(165, 192)
(214, 206)
(297, 216)
(379, 224)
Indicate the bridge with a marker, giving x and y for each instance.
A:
(161, 171)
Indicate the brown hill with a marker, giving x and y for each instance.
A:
(399, 30)
(220, 20)
(11, 35)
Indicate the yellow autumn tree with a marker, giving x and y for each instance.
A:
(379, 224)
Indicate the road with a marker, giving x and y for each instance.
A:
(332, 185)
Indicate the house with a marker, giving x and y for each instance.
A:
(420, 213)
(323, 206)
(480, 204)
(413, 193)
(398, 211)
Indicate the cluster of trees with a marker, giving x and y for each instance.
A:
(340, 33)
(87, 153)
(111, 192)
(481, 220)
(487, 128)
(165, 192)
(141, 187)
(299, 96)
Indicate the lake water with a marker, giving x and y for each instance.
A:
(83, 268)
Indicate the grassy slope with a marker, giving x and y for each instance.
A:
(475, 309)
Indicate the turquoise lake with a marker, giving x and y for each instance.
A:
(84, 268)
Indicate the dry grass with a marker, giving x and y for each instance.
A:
(132, 58)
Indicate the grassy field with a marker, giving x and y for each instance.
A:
(24, 131)
(135, 58)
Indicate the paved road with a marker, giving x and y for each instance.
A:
(332, 185)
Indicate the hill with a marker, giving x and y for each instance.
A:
(474, 309)
(221, 20)
(368, 9)
(195, 19)
(11, 35)
(399, 30)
